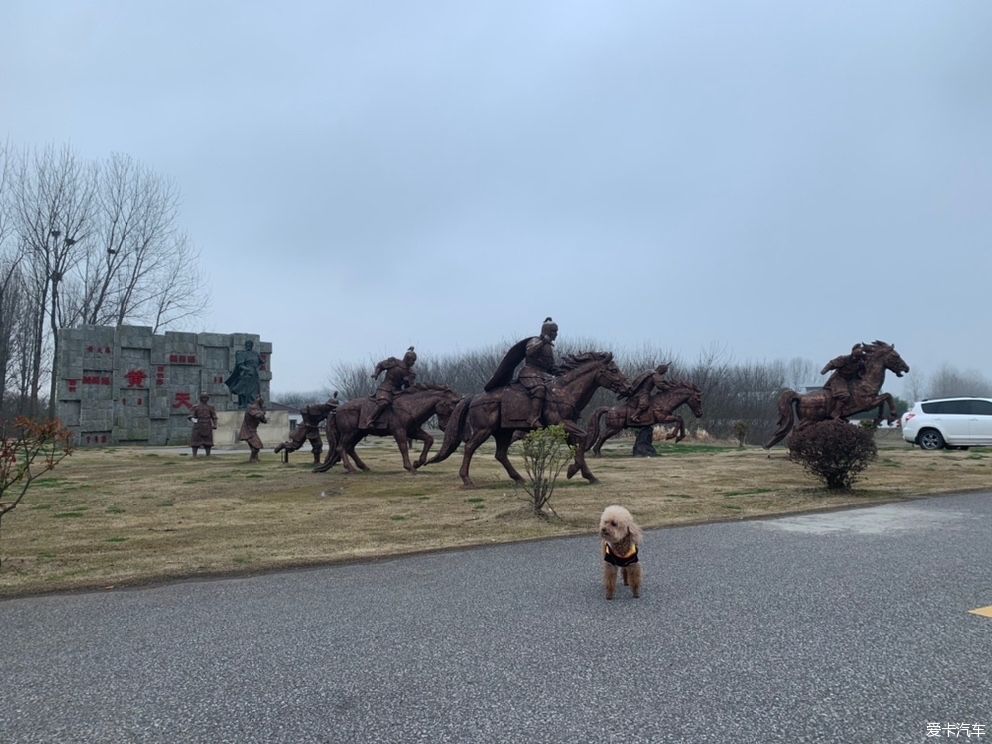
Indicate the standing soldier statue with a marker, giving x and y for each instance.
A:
(204, 418)
(540, 367)
(399, 375)
(254, 415)
(309, 429)
(244, 379)
(847, 369)
(641, 390)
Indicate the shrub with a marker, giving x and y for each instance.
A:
(27, 450)
(546, 452)
(835, 451)
(741, 429)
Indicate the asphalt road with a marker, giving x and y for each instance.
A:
(843, 627)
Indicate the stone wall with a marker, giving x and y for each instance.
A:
(126, 385)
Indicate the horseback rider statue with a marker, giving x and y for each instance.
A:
(641, 390)
(540, 367)
(399, 375)
(847, 369)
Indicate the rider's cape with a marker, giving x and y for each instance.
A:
(503, 375)
(635, 386)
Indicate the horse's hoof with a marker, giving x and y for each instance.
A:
(592, 481)
(572, 470)
(468, 485)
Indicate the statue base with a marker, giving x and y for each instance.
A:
(643, 446)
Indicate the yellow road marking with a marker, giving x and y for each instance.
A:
(983, 611)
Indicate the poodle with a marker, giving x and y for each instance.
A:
(621, 536)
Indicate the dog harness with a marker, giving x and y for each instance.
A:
(619, 560)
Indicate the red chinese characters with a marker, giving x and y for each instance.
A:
(136, 378)
(183, 400)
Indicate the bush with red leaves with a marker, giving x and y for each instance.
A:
(28, 449)
(835, 451)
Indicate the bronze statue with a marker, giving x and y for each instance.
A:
(660, 410)
(410, 410)
(254, 415)
(244, 380)
(309, 429)
(847, 368)
(863, 391)
(538, 355)
(399, 376)
(640, 393)
(204, 418)
(502, 411)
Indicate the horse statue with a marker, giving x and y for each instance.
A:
(503, 411)
(818, 405)
(660, 410)
(404, 421)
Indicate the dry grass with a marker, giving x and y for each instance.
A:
(124, 516)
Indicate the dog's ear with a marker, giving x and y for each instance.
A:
(636, 533)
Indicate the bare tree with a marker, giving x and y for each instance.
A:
(949, 381)
(53, 193)
(138, 257)
(97, 243)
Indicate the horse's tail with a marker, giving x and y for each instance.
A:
(454, 431)
(786, 416)
(332, 446)
(593, 434)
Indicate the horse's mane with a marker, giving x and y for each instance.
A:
(675, 385)
(570, 362)
(876, 346)
(427, 387)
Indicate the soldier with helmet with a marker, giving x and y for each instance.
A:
(643, 387)
(847, 368)
(309, 429)
(399, 376)
(540, 368)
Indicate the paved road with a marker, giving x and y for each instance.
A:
(843, 627)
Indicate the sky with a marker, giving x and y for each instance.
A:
(774, 179)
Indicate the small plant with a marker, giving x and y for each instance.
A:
(27, 450)
(869, 425)
(741, 429)
(546, 452)
(835, 451)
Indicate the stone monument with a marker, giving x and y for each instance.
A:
(125, 385)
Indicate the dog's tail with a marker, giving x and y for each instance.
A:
(454, 432)
(593, 434)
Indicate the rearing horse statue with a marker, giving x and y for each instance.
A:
(478, 417)
(816, 405)
(660, 409)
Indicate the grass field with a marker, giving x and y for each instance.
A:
(115, 517)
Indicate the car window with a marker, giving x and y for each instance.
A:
(980, 407)
(948, 406)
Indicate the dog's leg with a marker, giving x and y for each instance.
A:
(635, 580)
(610, 579)
(625, 581)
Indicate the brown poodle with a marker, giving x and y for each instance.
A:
(621, 537)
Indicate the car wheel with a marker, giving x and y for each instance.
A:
(930, 439)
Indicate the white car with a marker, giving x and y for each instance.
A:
(948, 422)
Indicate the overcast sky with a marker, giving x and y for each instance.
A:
(779, 179)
